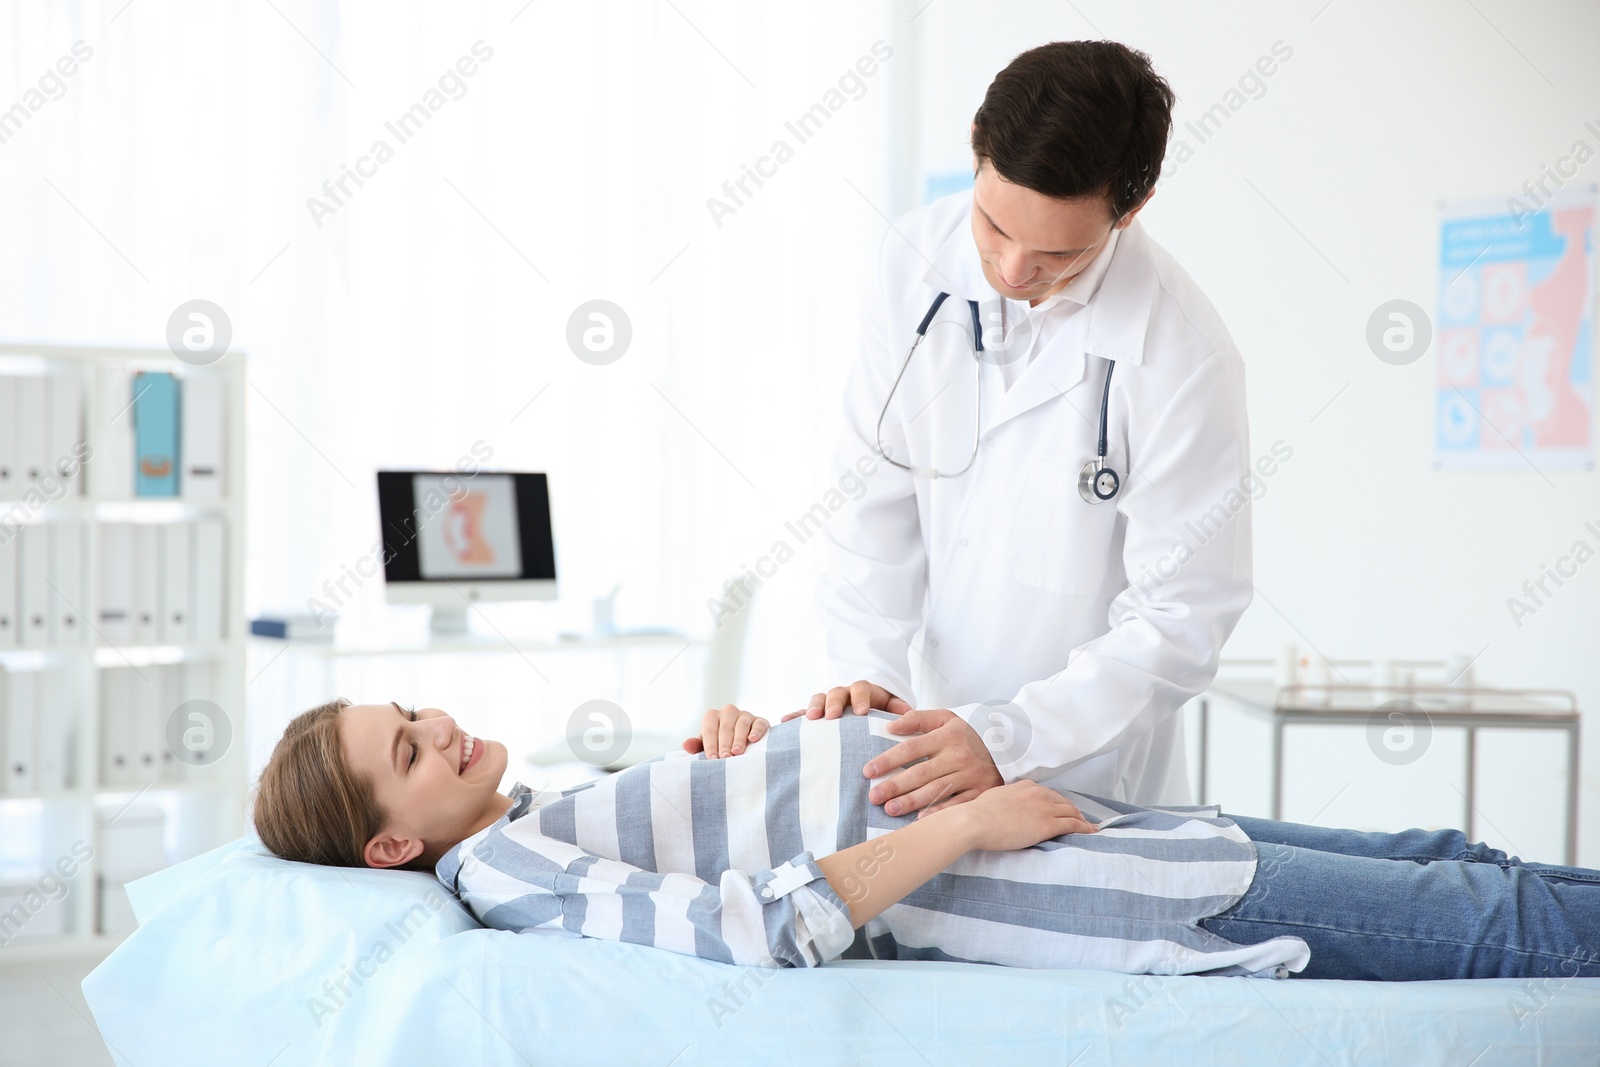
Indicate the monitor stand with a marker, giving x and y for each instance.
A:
(449, 622)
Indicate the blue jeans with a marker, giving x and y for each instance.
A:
(1414, 906)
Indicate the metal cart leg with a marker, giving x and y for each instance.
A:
(1471, 795)
(1572, 796)
(1277, 768)
(1205, 715)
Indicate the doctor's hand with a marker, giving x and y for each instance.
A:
(725, 731)
(860, 697)
(956, 765)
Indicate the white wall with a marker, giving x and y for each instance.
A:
(429, 311)
(1362, 548)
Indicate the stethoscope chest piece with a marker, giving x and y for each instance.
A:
(1097, 482)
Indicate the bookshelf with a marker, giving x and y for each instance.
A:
(47, 832)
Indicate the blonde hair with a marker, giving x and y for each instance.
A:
(310, 806)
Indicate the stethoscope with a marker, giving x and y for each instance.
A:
(1097, 482)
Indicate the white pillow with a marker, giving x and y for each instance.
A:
(238, 949)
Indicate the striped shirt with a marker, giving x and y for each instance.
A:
(716, 858)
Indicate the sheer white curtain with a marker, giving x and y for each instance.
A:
(403, 318)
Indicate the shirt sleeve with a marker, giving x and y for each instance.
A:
(785, 916)
(871, 592)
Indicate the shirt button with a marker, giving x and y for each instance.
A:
(766, 892)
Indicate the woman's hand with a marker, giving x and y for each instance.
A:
(858, 697)
(1021, 814)
(726, 731)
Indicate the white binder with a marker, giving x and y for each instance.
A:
(195, 684)
(116, 583)
(55, 711)
(111, 469)
(116, 911)
(67, 556)
(21, 775)
(146, 583)
(64, 431)
(166, 691)
(31, 397)
(149, 698)
(176, 616)
(131, 840)
(204, 397)
(116, 727)
(35, 603)
(10, 458)
(209, 580)
(10, 624)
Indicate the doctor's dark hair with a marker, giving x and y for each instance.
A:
(1074, 119)
(310, 806)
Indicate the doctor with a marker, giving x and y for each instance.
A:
(1048, 617)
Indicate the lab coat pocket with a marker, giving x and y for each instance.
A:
(1059, 542)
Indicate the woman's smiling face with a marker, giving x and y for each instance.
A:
(436, 783)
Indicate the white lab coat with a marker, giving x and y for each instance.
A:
(1067, 635)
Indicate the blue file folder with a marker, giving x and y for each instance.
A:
(155, 431)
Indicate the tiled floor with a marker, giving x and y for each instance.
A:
(44, 1018)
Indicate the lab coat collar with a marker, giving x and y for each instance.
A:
(1081, 289)
(1111, 325)
(1117, 312)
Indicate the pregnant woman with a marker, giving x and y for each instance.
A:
(776, 856)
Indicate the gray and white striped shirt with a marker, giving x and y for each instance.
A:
(716, 858)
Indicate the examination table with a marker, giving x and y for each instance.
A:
(245, 959)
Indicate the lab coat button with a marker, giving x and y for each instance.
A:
(964, 542)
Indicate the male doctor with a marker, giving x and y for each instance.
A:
(1043, 635)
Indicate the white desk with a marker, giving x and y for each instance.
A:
(653, 674)
(330, 652)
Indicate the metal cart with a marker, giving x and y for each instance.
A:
(1471, 709)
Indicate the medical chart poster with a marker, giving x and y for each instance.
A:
(1516, 332)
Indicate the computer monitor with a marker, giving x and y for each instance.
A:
(451, 538)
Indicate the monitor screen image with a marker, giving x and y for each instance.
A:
(445, 531)
(474, 534)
